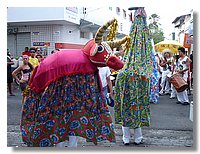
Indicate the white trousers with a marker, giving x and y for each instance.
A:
(182, 96)
(73, 140)
(163, 80)
(126, 135)
(173, 93)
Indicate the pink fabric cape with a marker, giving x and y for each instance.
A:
(61, 63)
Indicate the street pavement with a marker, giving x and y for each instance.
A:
(170, 127)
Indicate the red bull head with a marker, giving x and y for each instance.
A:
(100, 53)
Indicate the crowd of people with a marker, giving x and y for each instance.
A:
(170, 64)
(28, 60)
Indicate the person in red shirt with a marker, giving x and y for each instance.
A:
(26, 52)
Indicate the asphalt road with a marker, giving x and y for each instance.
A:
(170, 125)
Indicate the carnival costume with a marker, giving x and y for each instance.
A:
(65, 96)
(132, 108)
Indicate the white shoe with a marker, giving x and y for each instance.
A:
(161, 93)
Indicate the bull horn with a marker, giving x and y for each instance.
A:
(118, 43)
(102, 29)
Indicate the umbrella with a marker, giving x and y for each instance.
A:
(168, 44)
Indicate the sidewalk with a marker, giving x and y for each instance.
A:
(152, 138)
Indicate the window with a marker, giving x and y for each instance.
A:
(121, 26)
(124, 14)
(118, 10)
(110, 8)
(85, 35)
(81, 34)
(130, 17)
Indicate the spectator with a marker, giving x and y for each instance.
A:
(39, 57)
(25, 70)
(174, 69)
(9, 73)
(38, 51)
(166, 63)
(32, 59)
(107, 89)
(26, 52)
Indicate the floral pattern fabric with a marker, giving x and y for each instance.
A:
(132, 87)
(154, 81)
(70, 106)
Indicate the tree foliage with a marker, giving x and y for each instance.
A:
(154, 26)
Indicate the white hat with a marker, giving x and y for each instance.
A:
(167, 51)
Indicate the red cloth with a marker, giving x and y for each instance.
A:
(64, 62)
(26, 53)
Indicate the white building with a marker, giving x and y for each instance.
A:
(59, 27)
(184, 30)
(181, 27)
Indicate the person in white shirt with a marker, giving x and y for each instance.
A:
(104, 73)
(166, 65)
(183, 67)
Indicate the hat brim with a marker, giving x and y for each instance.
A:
(167, 51)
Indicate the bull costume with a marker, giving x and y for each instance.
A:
(132, 108)
(65, 100)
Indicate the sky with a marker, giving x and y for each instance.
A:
(168, 10)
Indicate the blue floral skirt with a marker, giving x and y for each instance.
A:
(70, 106)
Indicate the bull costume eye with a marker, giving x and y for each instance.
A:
(100, 48)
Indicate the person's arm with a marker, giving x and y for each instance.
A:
(173, 66)
(110, 86)
(162, 62)
(10, 62)
(187, 68)
(15, 72)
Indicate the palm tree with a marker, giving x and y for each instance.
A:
(157, 33)
(154, 18)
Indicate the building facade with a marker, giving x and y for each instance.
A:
(184, 30)
(49, 28)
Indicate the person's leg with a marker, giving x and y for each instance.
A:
(167, 87)
(138, 135)
(173, 93)
(126, 135)
(162, 84)
(105, 92)
(185, 100)
(23, 98)
(191, 79)
(112, 113)
(60, 145)
(10, 89)
(185, 97)
(188, 89)
(180, 97)
(73, 141)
